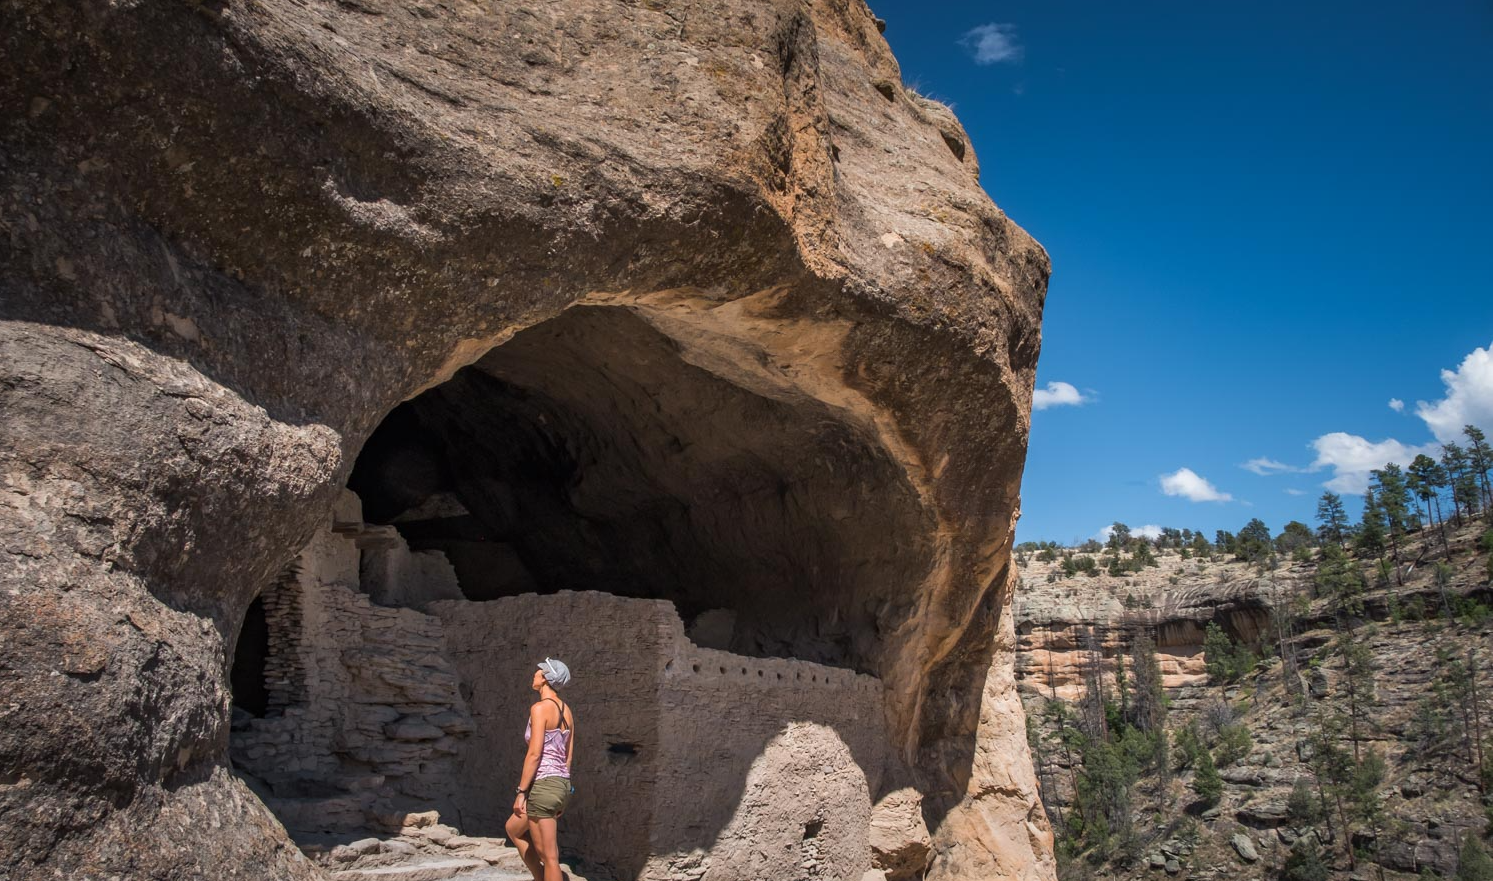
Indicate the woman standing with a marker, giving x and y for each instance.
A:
(544, 787)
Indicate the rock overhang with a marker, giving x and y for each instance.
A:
(315, 211)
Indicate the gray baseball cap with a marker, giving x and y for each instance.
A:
(555, 672)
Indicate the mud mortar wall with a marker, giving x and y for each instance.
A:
(365, 715)
(701, 758)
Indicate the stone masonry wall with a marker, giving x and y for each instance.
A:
(364, 711)
(690, 763)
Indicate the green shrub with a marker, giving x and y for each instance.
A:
(1303, 806)
(1205, 781)
(1473, 863)
(1485, 774)
(1234, 743)
(1305, 862)
(1471, 612)
(1225, 660)
(1189, 745)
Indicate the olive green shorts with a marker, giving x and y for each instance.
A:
(548, 797)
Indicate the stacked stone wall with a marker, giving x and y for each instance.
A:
(364, 711)
(689, 762)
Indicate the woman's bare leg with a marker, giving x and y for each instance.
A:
(518, 835)
(544, 835)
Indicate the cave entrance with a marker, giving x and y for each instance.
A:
(594, 452)
(569, 493)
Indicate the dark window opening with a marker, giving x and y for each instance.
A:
(247, 676)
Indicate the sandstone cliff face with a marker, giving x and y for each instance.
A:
(1429, 800)
(1059, 622)
(239, 234)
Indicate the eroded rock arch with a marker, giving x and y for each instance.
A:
(241, 235)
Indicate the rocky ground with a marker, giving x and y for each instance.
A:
(424, 849)
(1429, 807)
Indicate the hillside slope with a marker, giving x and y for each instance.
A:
(1277, 715)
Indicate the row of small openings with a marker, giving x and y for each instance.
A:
(762, 674)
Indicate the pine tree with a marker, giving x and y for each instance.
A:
(1363, 796)
(1338, 579)
(1394, 500)
(1473, 862)
(1148, 705)
(1425, 480)
(1218, 654)
(1467, 492)
(1333, 769)
(1480, 455)
(1091, 707)
(1333, 519)
(1253, 543)
(1148, 710)
(1436, 730)
(1371, 529)
(1294, 537)
(1358, 687)
(1462, 687)
(1305, 862)
(1454, 461)
(1205, 780)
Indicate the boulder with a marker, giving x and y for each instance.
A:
(899, 838)
(1244, 846)
(1263, 814)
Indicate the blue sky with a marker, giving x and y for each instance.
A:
(1266, 221)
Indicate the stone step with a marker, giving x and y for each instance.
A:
(415, 869)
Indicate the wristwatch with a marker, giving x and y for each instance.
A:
(521, 791)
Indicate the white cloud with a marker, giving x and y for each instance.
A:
(1266, 467)
(1351, 458)
(1292, 491)
(1150, 530)
(1190, 485)
(993, 44)
(1397, 405)
(1058, 394)
(1468, 401)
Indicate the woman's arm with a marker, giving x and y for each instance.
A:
(531, 757)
